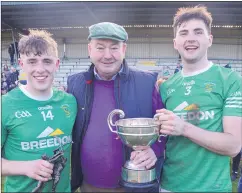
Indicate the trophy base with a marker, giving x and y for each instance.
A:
(138, 176)
(152, 186)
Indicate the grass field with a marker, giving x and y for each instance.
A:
(235, 183)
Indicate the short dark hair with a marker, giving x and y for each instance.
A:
(187, 13)
(37, 42)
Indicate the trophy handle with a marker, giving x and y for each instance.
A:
(110, 118)
(156, 118)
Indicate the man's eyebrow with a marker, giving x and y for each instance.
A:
(198, 29)
(47, 59)
(113, 44)
(99, 44)
(184, 30)
(32, 59)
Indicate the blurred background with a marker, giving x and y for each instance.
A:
(149, 25)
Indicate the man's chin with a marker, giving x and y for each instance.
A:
(191, 59)
(42, 87)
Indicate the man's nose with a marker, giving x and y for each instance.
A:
(107, 53)
(191, 41)
(40, 67)
(191, 38)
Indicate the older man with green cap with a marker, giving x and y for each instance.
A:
(97, 156)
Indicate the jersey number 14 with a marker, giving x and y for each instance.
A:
(47, 115)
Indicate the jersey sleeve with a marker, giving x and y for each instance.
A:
(233, 96)
(4, 132)
(162, 90)
(75, 106)
(3, 135)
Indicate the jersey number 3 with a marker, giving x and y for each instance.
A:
(188, 90)
(48, 115)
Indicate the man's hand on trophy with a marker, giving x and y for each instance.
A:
(40, 170)
(170, 123)
(145, 158)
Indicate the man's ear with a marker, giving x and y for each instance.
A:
(20, 62)
(210, 39)
(124, 46)
(57, 63)
(89, 47)
(174, 44)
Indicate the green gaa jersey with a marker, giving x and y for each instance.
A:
(31, 129)
(202, 100)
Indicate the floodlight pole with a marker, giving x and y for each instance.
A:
(16, 54)
(12, 30)
(64, 56)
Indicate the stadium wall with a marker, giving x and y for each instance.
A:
(142, 43)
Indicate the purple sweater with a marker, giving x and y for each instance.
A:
(101, 153)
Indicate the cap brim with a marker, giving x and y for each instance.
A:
(107, 37)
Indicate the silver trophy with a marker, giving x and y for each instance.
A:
(135, 133)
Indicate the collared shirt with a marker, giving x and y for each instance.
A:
(99, 78)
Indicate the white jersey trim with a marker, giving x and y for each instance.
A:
(233, 106)
(233, 98)
(198, 71)
(233, 102)
(38, 98)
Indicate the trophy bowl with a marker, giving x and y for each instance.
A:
(134, 132)
(137, 131)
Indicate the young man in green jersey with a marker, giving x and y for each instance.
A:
(204, 109)
(37, 123)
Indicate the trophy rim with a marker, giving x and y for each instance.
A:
(120, 124)
(138, 135)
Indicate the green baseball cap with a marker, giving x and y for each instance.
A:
(107, 30)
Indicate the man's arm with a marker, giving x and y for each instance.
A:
(226, 143)
(40, 170)
(11, 168)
